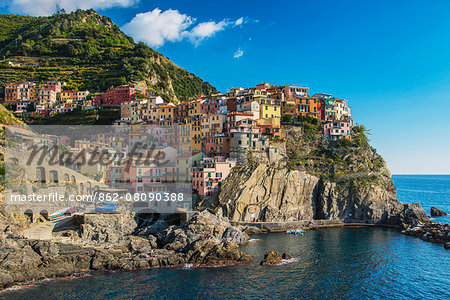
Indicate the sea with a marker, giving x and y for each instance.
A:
(338, 263)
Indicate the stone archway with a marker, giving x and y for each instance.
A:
(44, 214)
(53, 176)
(40, 175)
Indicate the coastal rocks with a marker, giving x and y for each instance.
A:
(274, 258)
(435, 212)
(155, 228)
(214, 254)
(202, 225)
(412, 215)
(206, 240)
(431, 232)
(266, 194)
(252, 230)
(105, 228)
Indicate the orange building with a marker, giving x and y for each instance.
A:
(308, 107)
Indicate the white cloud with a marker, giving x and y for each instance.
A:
(239, 52)
(48, 7)
(239, 21)
(157, 27)
(205, 30)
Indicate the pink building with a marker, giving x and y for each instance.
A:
(54, 86)
(212, 171)
(119, 94)
(335, 131)
(210, 106)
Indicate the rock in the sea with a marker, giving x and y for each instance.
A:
(412, 215)
(202, 225)
(274, 258)
(435, 212)
(430, 232)
(207, 240)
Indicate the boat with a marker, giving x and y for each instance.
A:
(296, 231)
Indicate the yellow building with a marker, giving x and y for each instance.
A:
(65, 97)
(269, 108)
(185, 135)
(196, 132)
(195, 108)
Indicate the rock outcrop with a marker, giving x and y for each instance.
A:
(206, 240)
(267, 194)
(274, 258)
(431, 232)
(436, 212)
(105, 228)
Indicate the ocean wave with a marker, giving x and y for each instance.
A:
(254, 240)
(288, 261)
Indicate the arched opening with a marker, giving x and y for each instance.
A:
(53, 176)
(146, 217)
(29, 215)
(44, 214)
(73, 179)
(66, 177)
(40, 175)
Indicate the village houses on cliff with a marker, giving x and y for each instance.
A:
(211, 134)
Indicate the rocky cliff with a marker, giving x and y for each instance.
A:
(317, 180)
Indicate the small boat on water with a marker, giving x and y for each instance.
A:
(296, 231)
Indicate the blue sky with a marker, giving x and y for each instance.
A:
(390, 59)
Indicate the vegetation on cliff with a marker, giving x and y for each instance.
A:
(343, 160)
(87, 51)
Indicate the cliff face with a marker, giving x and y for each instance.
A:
(272, 195)
(317, 180)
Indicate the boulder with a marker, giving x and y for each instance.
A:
(435, 212)
(271, 258)
(252, 230)
(412, 215)
(105, 228)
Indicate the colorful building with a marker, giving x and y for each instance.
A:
(338, 130)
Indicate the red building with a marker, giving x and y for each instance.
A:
(119, 94)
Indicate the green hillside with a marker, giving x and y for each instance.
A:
(87, 51)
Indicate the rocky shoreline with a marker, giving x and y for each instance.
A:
(118, 243)
(431, 232)
(206, 240)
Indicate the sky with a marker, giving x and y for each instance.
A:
(390, 59)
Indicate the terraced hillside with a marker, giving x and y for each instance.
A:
(87, 51)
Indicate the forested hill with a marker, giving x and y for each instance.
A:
(87, 51)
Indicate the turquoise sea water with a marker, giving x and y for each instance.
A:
(428, 190)
(350, 263)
